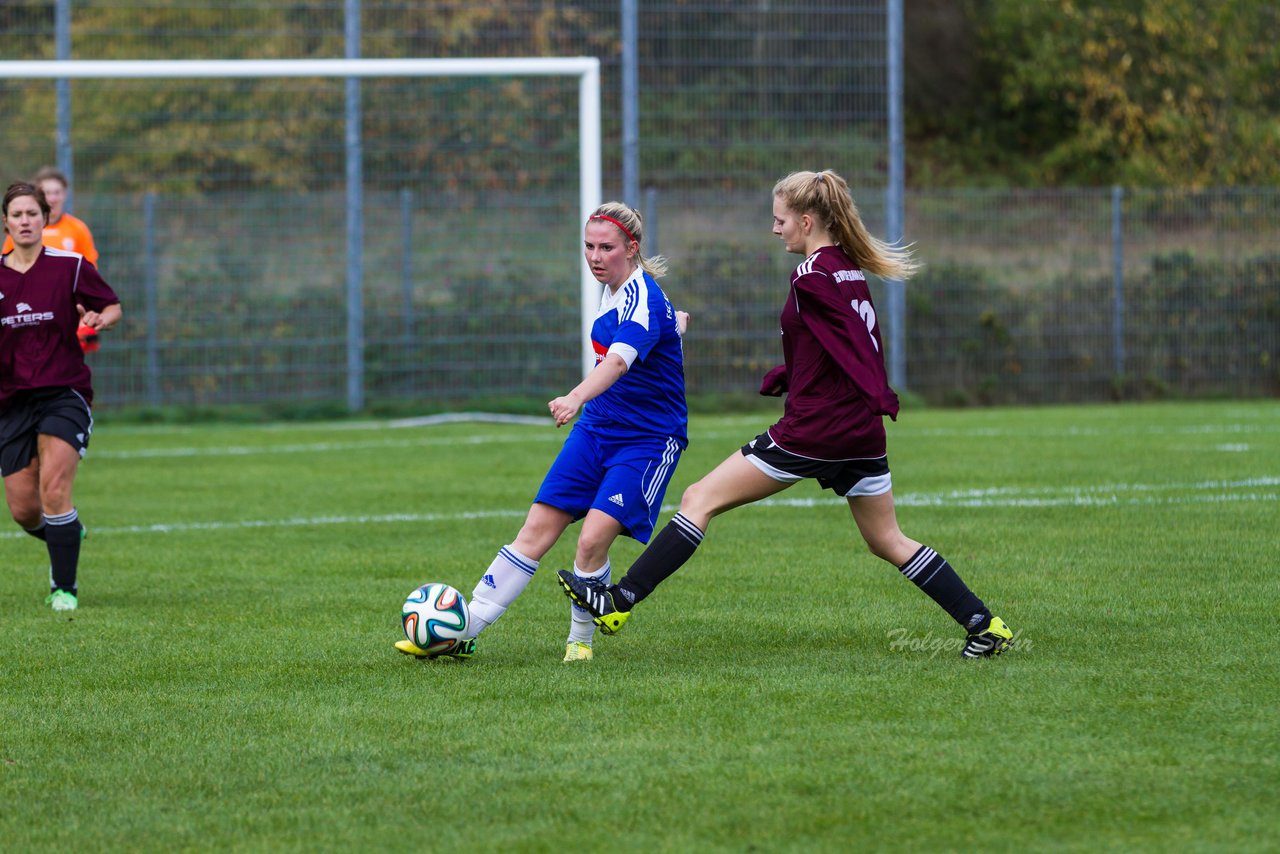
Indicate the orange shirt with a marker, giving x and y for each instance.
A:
(69, 233)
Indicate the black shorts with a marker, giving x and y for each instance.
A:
(867, 476)
(60, 412)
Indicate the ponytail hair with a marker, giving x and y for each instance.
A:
(627, 220)
(826, 196)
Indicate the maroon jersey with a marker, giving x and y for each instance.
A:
(837, 389)
(38, 322)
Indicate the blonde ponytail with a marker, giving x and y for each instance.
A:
(826, 195)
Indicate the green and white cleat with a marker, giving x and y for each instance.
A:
(61, 600)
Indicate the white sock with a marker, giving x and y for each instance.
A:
(581, 628)
(504, 580)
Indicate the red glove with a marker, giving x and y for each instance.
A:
(774, 383)
(88, 339)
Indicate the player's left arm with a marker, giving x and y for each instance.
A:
(97, 303)
(101, 320)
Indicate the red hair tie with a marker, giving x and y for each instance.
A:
(618, 224)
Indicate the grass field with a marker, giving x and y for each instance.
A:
(229, 682)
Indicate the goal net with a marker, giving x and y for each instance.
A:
(328, 231)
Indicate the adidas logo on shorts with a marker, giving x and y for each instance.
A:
(617, 499)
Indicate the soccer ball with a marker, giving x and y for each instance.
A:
(435, 616)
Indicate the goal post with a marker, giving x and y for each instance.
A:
(585, 69)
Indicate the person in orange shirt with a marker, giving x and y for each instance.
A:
(63, 231)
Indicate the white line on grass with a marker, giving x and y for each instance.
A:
(549, 435)
(314, 447)
(1103, 495)
(544, 433)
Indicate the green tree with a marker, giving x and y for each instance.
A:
(1085, 92)
(1169, 93)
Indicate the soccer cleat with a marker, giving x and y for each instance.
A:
(408, 647)
(61, 600)
(577, 651)
(460, 649)
(593, 596)
(991, 641)
(464, 648)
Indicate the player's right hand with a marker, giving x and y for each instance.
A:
(774, 383)
(563, 409)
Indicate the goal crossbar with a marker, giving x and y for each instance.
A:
(579, 66)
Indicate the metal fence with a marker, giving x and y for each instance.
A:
(219, 208)
(1085, 295)
(1025, 297)
(726, 90)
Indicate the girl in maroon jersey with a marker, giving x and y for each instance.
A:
(832, 426)
(45, 420)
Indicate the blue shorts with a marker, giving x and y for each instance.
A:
(623, 476)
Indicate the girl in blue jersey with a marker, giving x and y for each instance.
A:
(832, 427)
(619, 457)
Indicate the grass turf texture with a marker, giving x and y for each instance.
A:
(229, 681)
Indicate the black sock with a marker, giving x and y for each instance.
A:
(930, 571)
(39, 531)
(62, 535)
(674, 545)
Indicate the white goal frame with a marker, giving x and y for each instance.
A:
(585, 68)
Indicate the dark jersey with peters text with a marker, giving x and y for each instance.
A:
(38, 322)
(837, 389)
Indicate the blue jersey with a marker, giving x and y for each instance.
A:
(638, 323)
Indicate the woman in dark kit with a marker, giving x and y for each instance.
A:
(832, 428)
(45, 421)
